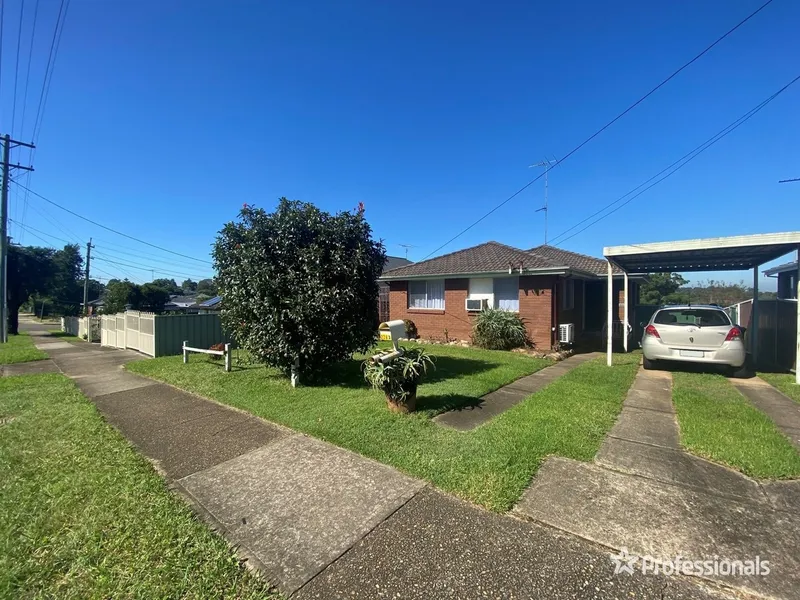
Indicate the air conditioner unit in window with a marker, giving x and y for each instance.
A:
(566, 333)
(477, 304)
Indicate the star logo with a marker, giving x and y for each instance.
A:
(624, 562)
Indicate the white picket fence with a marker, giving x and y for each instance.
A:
(132, 329)
(87, 328)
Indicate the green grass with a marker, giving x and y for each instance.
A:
(490, 465)
(718, 423)
(19, 349)
(82, 515)
(784, 382)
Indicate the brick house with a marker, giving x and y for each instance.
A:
(547, 286)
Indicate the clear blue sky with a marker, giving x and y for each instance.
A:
(164, 117)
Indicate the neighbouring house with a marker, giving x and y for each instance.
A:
(787, 280)
(181, 304)
(212, 305)
(392, 262)
(547, 286)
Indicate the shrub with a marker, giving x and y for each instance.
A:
(300, 285)
(411, 329)
(496, 329)
(399, 379)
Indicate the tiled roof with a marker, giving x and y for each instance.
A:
(490, 257)
(573, 260)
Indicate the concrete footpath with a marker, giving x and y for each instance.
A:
(499, 401)
(321, 522)
(645, 494)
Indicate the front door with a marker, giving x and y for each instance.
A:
(595, 305)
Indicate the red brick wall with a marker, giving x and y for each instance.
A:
(432, 323)
(535, 308)
(535, 294)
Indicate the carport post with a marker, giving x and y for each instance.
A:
(610, 326)
(625, 329)
(754, 316)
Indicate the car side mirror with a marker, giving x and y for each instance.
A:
(744, 330)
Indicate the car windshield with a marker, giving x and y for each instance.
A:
(699, 317)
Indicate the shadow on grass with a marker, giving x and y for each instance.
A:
(349, 374)
(440, 403)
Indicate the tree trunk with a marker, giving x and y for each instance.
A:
(13, 319)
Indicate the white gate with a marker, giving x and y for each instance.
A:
(119, 325)
(108, 331)
(132, 329)
(137, 330)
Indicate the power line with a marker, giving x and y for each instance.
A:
(31, 230)
(606, 126)
(16, 68)
(684, 160)
(48, 78)
(143, 267)
(124, 255)
(114, 231)
(28, 70)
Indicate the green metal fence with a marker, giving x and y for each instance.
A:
(201, 331)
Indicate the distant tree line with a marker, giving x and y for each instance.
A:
(672, 288)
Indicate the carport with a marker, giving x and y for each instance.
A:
(735, 253)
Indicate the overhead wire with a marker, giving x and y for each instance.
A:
(604, 127)
(114, 231)
(681, 162)
(48, 77)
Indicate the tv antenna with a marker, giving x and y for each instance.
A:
(407, 246)
(548, 164)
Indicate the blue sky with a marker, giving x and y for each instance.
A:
(164, 117)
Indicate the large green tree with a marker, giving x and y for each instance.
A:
(168, 284)
(206, 287)
(66, 290)
(300, 285)
(663, 288)
(153, 297)
(31, 270)
(119, 294)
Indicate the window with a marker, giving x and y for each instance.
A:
(426, 294)
(567, 294)
(702, 317)
(506, 293)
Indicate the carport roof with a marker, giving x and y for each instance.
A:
(735, 253)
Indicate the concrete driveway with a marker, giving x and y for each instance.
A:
(645, 495)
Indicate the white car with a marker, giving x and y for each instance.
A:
(697, 334)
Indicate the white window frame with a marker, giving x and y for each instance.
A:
(567, 293)
(428, 298)
(497, 299)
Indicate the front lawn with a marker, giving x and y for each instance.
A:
(783, 382)
(82, 515)
(19, 348)
(718, 423)
(490, 465)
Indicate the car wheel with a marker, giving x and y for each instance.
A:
(738, 372)
(648, 364)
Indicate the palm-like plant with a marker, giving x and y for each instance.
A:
(400, 377)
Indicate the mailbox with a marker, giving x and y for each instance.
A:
(397, 329)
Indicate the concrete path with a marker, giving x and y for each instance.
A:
(784, 411)
(499, 401)
(645, 494)
(29, 368)
(322, 522)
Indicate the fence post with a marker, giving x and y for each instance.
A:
(227, 358)
(185, 352)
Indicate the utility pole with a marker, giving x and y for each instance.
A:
(548, 164)
(7, 166)
(86, 280)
